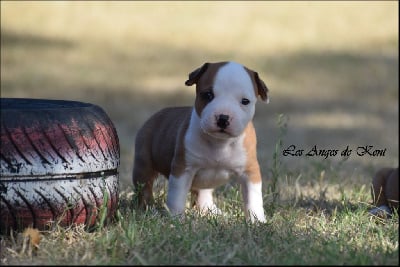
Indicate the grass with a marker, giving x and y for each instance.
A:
(332, 71)
(311, 231)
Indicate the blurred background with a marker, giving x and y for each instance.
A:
(331, 67)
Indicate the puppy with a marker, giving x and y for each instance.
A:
(385, 192)
(200, 148)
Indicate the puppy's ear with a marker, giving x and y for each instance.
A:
(262, 89)
(195, 75)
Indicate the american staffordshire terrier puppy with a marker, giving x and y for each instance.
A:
(199, 148)
(385, 192)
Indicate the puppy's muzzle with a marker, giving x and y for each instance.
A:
(222, 121)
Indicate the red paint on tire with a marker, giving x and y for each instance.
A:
(58, 159)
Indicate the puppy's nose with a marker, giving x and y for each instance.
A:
(223, 121)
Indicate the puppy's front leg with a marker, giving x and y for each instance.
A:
(253, 200)
(205, 202)
(178, 188)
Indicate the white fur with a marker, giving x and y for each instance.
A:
(178, 188)
(205, 202)
(253, 201)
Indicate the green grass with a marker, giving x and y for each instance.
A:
(331, 68)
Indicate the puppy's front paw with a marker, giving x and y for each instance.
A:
(212, 210)
(256, 216)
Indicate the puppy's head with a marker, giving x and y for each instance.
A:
(226, 93)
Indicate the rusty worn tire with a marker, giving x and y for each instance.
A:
(59, 162)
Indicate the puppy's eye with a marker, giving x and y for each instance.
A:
(245, 101)
(207, 96)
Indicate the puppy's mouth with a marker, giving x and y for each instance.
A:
(219, 133)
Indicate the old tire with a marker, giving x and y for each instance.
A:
(59, 163)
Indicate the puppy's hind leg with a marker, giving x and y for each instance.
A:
(143, 179)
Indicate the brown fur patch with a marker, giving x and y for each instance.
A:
(250, 144)
(260, 89)
(385, 187)
(205, 83)
(178, 163)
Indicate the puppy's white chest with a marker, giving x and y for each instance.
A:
(214, 163)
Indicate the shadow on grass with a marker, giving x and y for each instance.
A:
(328, 207)
(10, 38)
